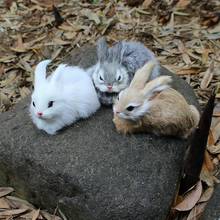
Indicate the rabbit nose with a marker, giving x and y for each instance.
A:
(39, 113)
(116, 111)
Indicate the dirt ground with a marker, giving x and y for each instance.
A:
(184, 35)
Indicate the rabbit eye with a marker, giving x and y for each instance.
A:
(50, 104)
(119, 78)
(33, 104)
(130, 108)
(100, 78)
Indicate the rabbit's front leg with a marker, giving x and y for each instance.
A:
(124, 126)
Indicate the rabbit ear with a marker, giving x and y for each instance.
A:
(40, 72)
(57, 73)
(157, 85)
(102, 49)
(118, 52)
(142, 75)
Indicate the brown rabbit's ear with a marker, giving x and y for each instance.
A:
(157, 85)
(142, 75)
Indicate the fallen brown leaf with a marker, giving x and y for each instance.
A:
(190, 199)
(12, 212)
(207, 76)
(216, 112)
(214, 149)
(210, 18)
(216, 132)
(182, 4)
(18, 203)
(5, 191)
(191, 71)
(48, 216)
(4, 204)
(208, 162)
(36, 214)
(211, 140)
(196, 212)
(206, 195)
(206, 176)
(91, 15)
(147, 3)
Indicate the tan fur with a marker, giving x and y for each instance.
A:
(168, 114)
(142, 75)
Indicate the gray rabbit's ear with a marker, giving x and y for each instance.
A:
(118, 52)
(102, 49)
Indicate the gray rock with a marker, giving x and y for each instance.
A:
(90, 171)
(212, 210)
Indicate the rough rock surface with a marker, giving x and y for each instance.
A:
(212, 210)
(89, 170)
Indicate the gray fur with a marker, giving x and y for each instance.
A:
(133, 55)
(102, 50)
(122, 59)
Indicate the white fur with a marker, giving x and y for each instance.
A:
(72, 91)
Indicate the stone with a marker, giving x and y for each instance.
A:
(212, 209)
(89, 170)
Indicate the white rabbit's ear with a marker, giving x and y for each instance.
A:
(57, 73)
(102, 50)
(142, 75)
(157, 85)
(40, 72)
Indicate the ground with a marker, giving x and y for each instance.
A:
(184, 35)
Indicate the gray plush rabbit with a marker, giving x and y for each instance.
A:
(117, 65)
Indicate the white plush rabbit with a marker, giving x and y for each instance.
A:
(61, 99)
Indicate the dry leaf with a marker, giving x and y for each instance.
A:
(12, 212)
(24, 91)
(190, 199)
(182, 3)
(216, 112)
(183, 50)
(19, 203)
(49, 216)
(36, 214)
(5, 191)
(4, 99)
(207, 195)
(211, 140)
(91, 15)
(207, 76)
(208, 161)
(4, 204)
(206, 176)
(191, 71)
(205, 55)
(216, 132)
(214, 149)
(147, 3)
(196, 212)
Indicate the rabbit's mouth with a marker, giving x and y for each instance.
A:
(108, 94)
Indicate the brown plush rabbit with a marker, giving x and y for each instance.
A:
(153, 107)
